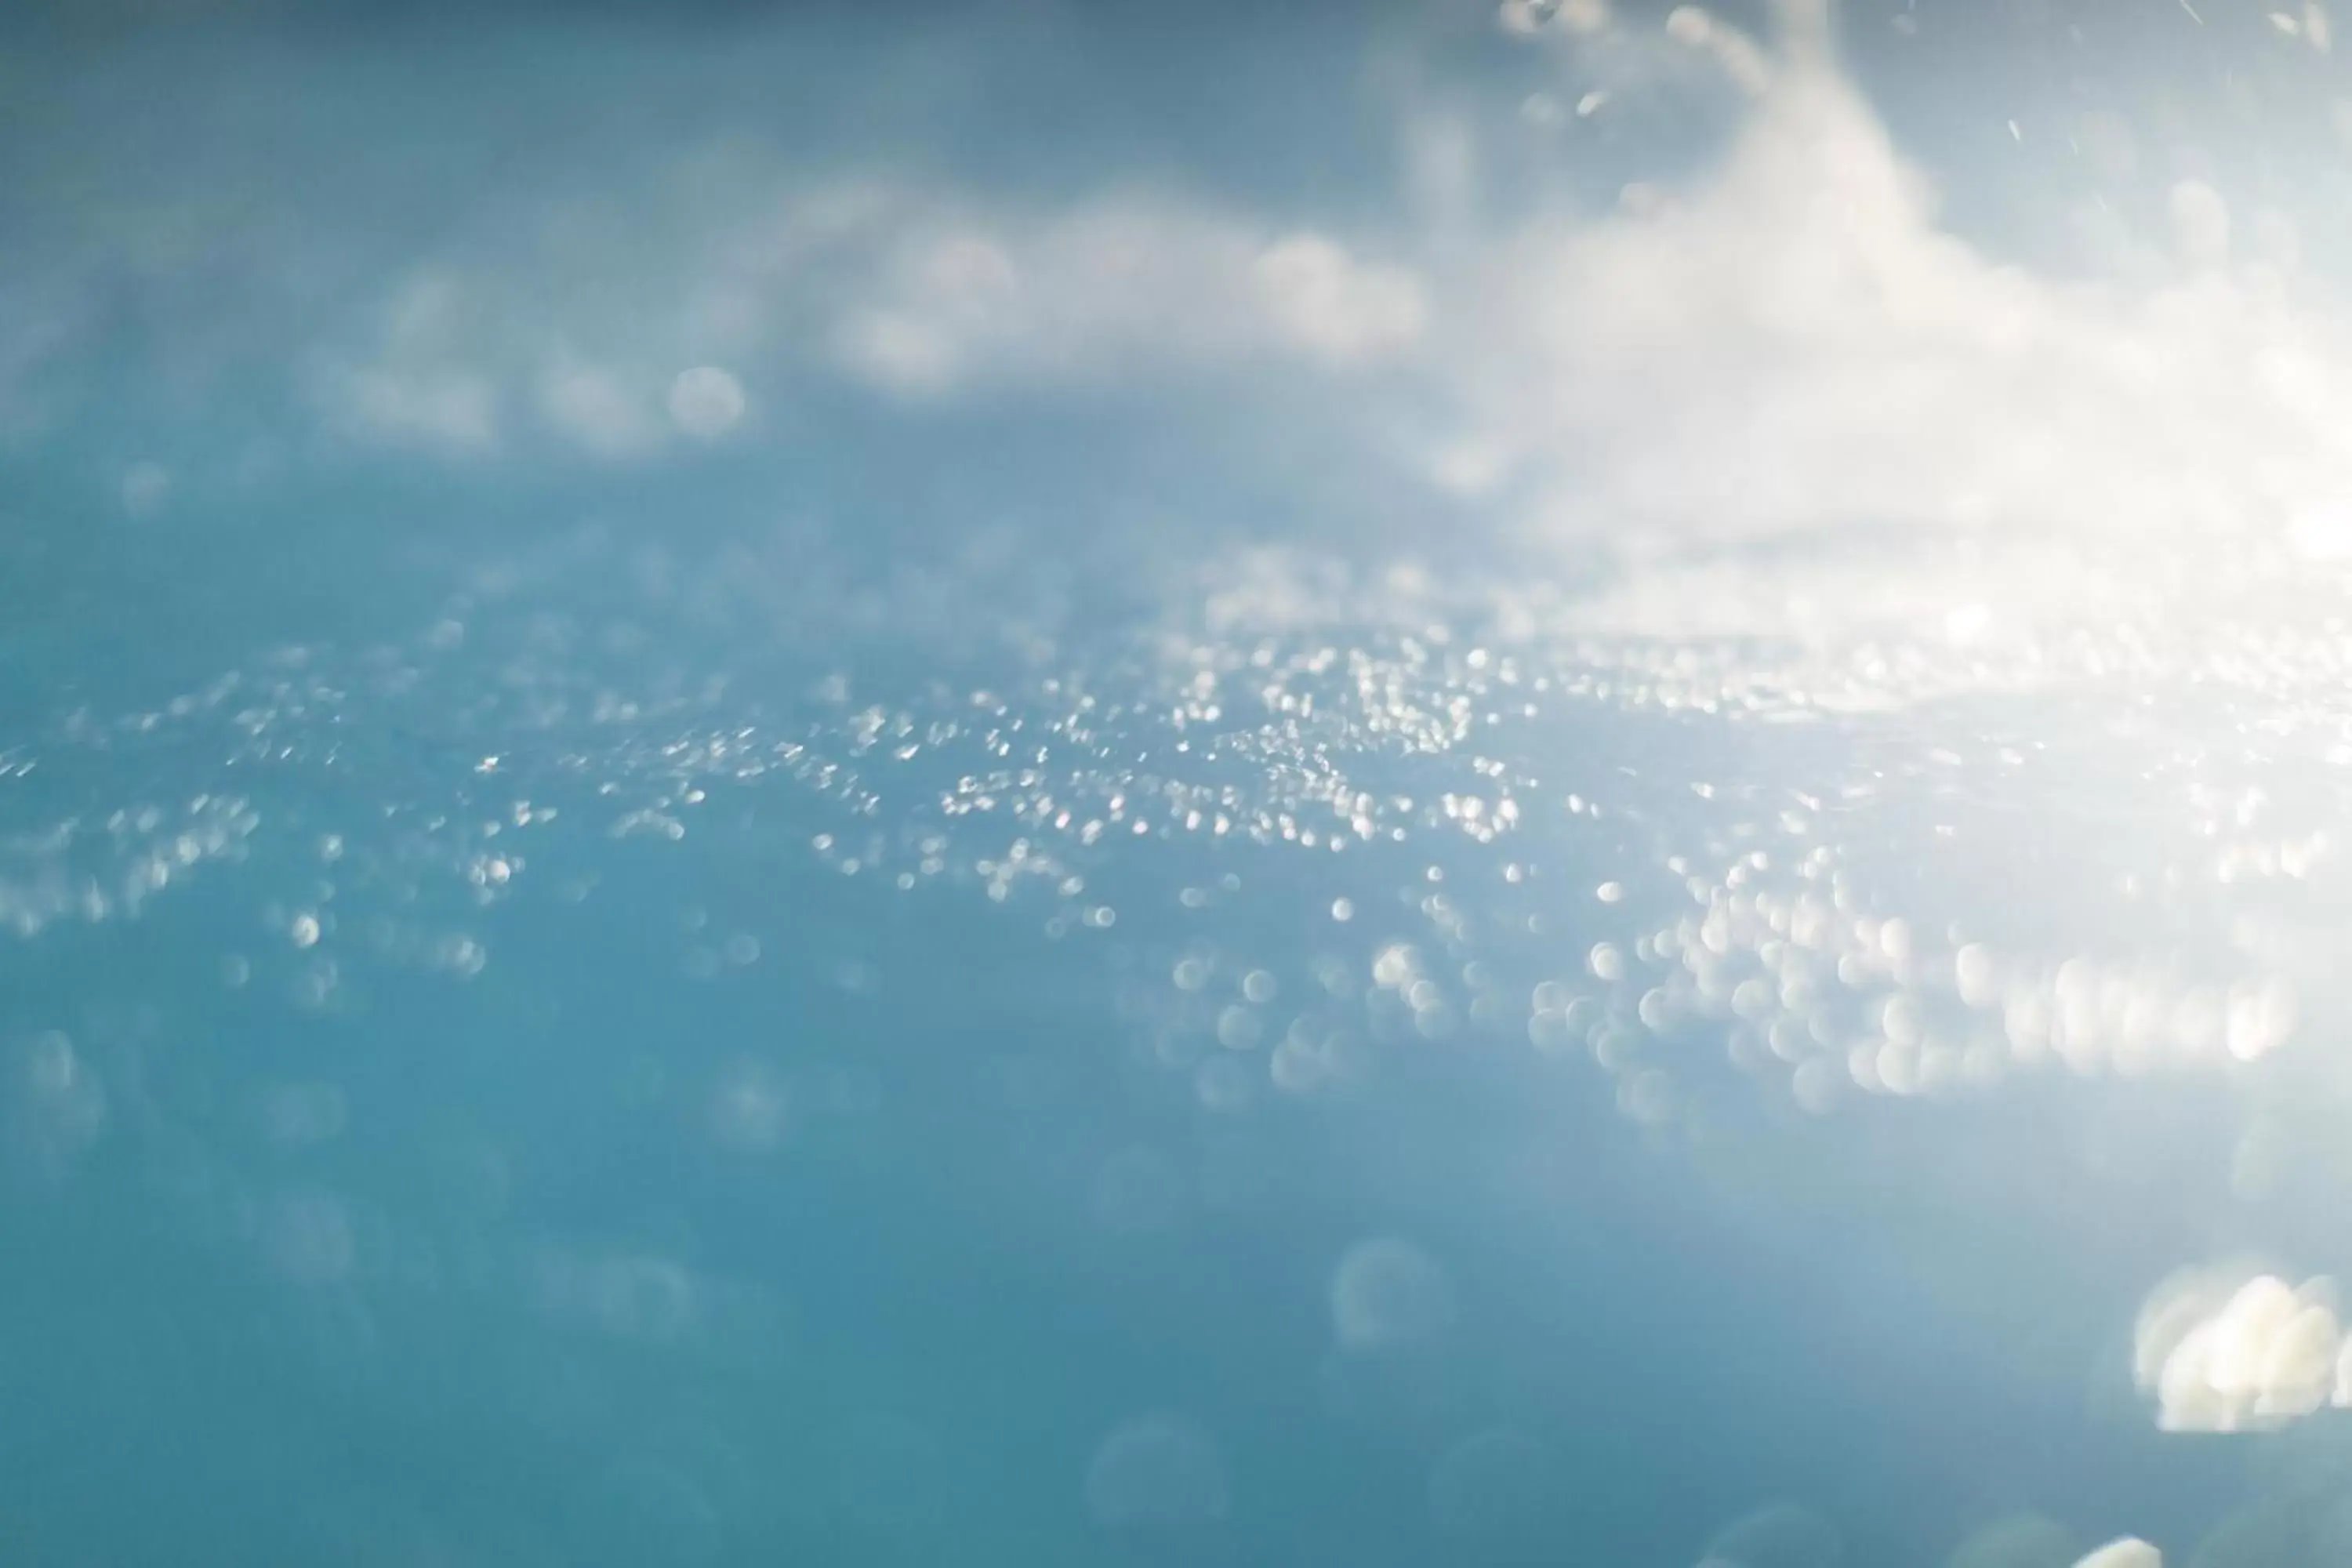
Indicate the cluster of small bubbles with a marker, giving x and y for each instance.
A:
(1417, 784)
(1805, 980)
(1314, 1056)
(1021, 863)
(1401, 979)
(67, 872)
(649, 822)
(1422, 753)
(488, 874)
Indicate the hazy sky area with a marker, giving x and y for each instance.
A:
(1178, 784)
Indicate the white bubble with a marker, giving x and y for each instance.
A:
(1156, 1472)
(1389, 1293)
(2128, 1553)
(706, 402)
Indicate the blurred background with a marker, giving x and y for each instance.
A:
(1375, 783)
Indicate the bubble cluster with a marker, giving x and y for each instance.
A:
(1311, 843)
(610, 947)
(2218, 1354)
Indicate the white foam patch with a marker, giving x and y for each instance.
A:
(1794, 342)
(1113, 286)
(2223, 1352)
(1790, 341)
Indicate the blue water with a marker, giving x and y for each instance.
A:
(1062, 968)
